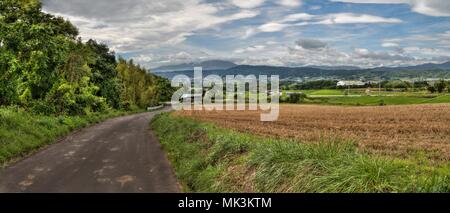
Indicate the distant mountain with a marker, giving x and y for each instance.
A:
(422, 67)
(336, 67)
(292, 73)
(206, 65)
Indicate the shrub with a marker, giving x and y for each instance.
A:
(296, 98)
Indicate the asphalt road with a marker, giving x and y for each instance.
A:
(119, 155)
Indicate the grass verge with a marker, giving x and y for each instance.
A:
(211, 159)
(377, 100)
(22, 133)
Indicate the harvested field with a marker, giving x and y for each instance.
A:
(401, 131)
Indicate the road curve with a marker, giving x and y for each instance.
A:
(119, 155)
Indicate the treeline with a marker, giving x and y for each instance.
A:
(439, 86)
(46, 68)
(310, 85)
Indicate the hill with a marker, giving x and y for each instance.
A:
(207, 65)
(286, 73)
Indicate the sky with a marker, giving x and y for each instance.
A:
(364, 33)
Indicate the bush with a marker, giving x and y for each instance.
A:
(42, 108)
(431, 89)
(296, 98)
(440, 86)
(397, 84)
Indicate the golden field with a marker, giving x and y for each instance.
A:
(401, 131)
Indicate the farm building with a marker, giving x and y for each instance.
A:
(350, 83)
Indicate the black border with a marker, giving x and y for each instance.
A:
(153, 202)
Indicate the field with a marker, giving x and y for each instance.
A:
(209, 158)
(409, 131)
(358, 97)
(378, 100)
(394, 142)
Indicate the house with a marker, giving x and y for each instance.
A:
(350, 83)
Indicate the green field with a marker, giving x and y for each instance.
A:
(320, 92)
(357, 97)
(379, 100)
(207, 158)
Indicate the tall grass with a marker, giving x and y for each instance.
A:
(22, 132)
(211, 159)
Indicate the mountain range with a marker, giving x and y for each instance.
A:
(223, 68)
(206, 65)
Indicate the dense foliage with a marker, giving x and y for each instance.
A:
(46, 68)
(321, 84)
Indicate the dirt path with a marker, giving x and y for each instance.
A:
(118, 155)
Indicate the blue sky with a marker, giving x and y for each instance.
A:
(367, 33)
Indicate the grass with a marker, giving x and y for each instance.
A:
(323, 92)
(358, 97)
(22, 133)
(379, 100)
(211, 159)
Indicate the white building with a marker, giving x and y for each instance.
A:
(350, 83)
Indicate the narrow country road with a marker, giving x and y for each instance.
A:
(118, 155)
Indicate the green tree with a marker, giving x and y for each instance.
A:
(431, 89)
(34, 43)
(440, 86)
(45, 67)
(104, 72)
(139, 87)
(74, 93)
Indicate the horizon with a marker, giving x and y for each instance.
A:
(304, 66)
(292, 33)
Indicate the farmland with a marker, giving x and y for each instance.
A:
(378, 100)
(210, 158)
(401, 131)
(359, 97)
(311, 148)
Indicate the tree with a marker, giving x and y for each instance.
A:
(74, 93)
(397, 84)
(104, 72)
(139, 87)
(35, 44)
(440, 86)
(296, 98)
(46, 68)
(431, 89)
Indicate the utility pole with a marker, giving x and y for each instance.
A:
(379, 86)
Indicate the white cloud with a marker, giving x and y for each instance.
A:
(251, 49)
(302, 19)
(154, 32)
(361, 57)
(290, 3)
(298, 17)
(317, 52)
(389, 44)
(272, 27)
(142, 24)
(426, 7)
(431, 52)
(247, 4)
(352, 18)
